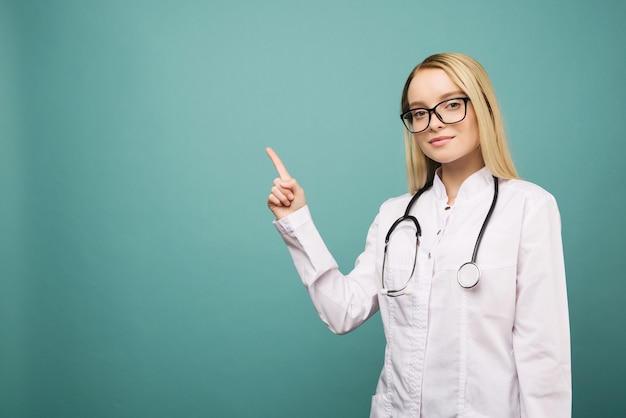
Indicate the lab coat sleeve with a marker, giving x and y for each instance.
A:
(343, 302)
(541, 339)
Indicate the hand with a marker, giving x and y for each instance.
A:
(287, 196)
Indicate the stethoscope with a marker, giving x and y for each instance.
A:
(468, 274)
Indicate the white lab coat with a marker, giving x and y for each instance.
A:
(500, 349)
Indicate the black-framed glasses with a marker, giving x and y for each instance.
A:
(449, 111)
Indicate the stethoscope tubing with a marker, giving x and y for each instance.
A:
(418, 233)
(468, 274)
(486, 221)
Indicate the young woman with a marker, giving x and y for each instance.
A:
(466, 270)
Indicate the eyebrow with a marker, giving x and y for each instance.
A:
(443, 97)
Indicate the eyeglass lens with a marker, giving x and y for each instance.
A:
(449, 111)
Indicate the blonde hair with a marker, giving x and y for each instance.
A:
(471, 77)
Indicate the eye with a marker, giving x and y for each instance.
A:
(419, 113)
(454, 104)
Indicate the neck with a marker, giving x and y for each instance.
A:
(453, 176)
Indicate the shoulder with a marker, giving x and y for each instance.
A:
(525, 188)
(531, 195)
(394, 203)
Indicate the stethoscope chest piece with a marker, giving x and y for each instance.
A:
(468, 275)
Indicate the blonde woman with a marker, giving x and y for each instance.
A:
(466, 269)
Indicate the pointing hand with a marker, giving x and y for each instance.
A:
(286, 195)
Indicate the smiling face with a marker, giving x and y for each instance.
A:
(454, 145)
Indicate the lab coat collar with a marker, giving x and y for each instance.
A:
(470, 187)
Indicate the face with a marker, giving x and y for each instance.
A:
(449, 144)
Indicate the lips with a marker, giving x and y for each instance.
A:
(440, 141)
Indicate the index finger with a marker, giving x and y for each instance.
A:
(278, 164)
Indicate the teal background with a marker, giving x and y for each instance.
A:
(140, 274)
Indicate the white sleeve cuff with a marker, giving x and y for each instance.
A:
(288, 224)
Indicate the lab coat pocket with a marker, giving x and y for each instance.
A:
(397, 277)
(492, 301)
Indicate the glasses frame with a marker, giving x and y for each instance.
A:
(432, 110)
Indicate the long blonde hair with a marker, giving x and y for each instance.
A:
(471, 77)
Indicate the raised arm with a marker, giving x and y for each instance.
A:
(343, 302)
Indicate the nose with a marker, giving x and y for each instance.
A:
(435, 121)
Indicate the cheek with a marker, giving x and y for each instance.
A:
(469, 127)
(475, 135)
(420, 140)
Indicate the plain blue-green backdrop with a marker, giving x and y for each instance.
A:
(140, 274)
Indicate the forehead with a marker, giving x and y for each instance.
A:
(429, 86)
